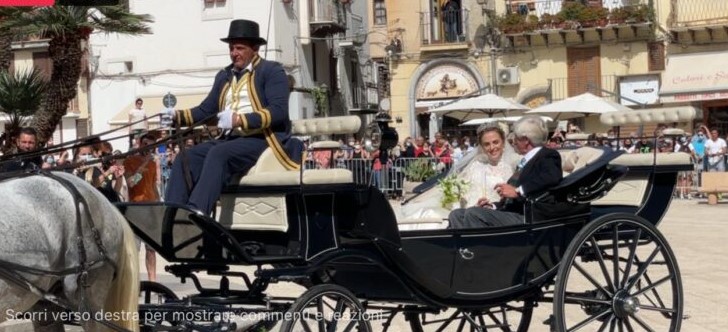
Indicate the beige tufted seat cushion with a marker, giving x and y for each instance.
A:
(658, 115)
(269, 172)
(268, 212)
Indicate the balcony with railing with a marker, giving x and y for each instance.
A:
(326, 17)
(355, 32)
(561, 21)
(689, 18)
(444, 29)
(364, 99)
(565, 87)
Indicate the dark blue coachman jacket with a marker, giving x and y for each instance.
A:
(269, 97)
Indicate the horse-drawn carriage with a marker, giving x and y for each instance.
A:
(602, 262)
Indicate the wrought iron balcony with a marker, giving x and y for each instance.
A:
(326, 17)
(570, 19)
(694, 13)
(355, 32)
(691, 20)
(444, 27)
(364, 100)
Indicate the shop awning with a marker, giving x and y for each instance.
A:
(695, 77)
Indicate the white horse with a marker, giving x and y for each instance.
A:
(38, 229)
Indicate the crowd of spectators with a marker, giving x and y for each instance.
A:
(705, 146)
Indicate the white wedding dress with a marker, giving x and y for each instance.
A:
(425, 211)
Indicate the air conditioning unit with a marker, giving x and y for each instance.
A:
(487, 4)
(508, 76)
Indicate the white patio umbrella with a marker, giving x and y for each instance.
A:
(480, 121)
(578, 106)
(479, 107)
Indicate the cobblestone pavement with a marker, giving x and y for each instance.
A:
(696, 232)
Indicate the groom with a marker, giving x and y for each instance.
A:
(539, 170)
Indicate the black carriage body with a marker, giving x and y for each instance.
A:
(347, 235)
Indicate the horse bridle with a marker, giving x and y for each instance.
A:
(11, 271)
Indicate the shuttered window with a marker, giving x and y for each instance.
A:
(584, 71)
(380, 12)
(81, 128)
(656, 54)
(11, 69)
(42, 62)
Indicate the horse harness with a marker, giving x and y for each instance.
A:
(11, 271)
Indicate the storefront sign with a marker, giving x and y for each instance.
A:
(446, 81)
(639, 90)
(681, 97)
(695, 77)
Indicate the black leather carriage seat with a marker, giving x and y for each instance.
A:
(267, 211)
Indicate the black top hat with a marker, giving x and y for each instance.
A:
(244, 30)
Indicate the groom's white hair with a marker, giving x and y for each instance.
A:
(533, 128)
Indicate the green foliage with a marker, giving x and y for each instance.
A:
(590, 14)
(571, 11)
(549, 21)
(67, 27)
(321, 99)
(21, 93)
(453, 190)
(619, 14)
(511, 23)
(640, 13)
(419, 170)
(532, 23)
(20, 97)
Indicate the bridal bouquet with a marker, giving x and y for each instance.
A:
(453, 190)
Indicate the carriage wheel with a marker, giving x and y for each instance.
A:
(326, 307)
(154, 293)
(514, 316)
(618, 273)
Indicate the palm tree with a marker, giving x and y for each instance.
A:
(20, 97)
(6, 36)
(67, 28)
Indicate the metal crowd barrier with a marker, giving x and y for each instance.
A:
(389, 179)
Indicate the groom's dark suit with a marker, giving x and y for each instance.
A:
(540, 173)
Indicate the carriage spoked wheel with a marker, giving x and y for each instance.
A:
(154, 293)
(618, 274)
(325, 308)
(514, 316)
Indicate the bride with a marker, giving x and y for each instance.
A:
(493, 163)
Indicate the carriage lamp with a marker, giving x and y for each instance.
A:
(379, 136)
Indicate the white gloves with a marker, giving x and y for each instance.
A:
(225, 119)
